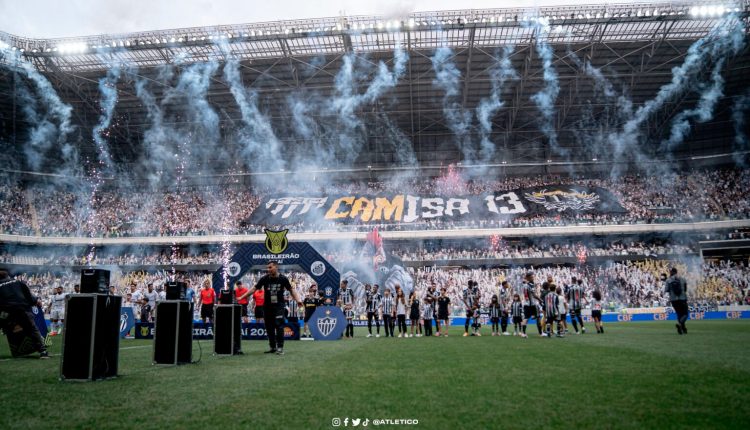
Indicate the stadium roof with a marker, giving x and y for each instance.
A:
(635, 45)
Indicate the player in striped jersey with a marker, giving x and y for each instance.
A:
(496, 309)
(372, 305)
(349, 314)
(575, 303)
(389, 312)
(516, 313)
(471, 298)
(428, 313)
(346, 295)
(292, 310)
(531, 301)
(551, 311)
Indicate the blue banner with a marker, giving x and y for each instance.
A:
(327, 323)
(39, 320)
(250, 331)
(127, 321)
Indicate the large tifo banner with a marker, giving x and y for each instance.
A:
(408, 208)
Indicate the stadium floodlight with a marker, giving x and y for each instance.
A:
(3, 45)
(172, 40)
(594, 159)
(380, 25)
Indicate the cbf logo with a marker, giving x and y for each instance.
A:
(276, 241)
(327, 323)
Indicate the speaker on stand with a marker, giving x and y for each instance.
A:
(227, 329)
(173, 332)
(91, 334)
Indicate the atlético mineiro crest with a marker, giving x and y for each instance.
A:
(326, 325)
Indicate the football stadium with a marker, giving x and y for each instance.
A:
(404, 215)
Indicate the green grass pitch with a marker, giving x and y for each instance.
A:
(636, 375)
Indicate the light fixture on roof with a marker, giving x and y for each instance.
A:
(411, 23)
(172, 40)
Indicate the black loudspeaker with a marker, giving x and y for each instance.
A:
(176, 290)
(226, 297)
(173, 332)
(91, 337)
(94, 281)
(227, 329)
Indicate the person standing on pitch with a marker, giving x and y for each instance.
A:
(443, 313)
(389, 312)
(311, 302)
(676, 287)
(575, 303)
(239, 290)
(372, 301)
(208, 297)
(57, 310)
(531, 301)
(273, 285)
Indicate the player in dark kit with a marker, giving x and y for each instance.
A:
(311, 302)
(443, 314)
(273, 285)
(676, 287)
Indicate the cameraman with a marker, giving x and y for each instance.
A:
(16, 302)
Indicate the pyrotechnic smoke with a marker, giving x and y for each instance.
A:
(725, 39)
(545, 99)
(739, 117)
(489, 106)
(458, 119)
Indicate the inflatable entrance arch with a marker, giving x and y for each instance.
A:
(300, 254)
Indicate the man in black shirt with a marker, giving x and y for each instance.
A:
(16, 302)
(274, 284)
(676, 287)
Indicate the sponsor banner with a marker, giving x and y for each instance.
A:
(408, 208)
(655, 310)
(664, 316)
(250, 331)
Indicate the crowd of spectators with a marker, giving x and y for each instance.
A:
(183, 256)
(688, 196)
(542, 251)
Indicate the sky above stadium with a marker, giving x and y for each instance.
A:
(56, 18)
